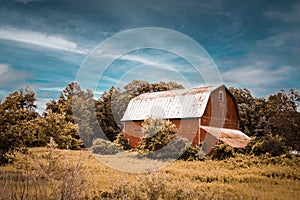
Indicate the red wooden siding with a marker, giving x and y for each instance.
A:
(220, 111)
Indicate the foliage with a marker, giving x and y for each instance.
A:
(105, 115)
(175, 149)
(272, 145)
(157, 134)
(77, 106)
(222, 152)
(251, 111)
(191, 153)
(17, 114)
(104, 147)
(161, 142)
(111, 105)
(274, 123)
(65, 134)
(122, 142)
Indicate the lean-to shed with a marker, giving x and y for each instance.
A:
(208, 113)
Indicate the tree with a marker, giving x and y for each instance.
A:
(273, 145)
(283, 102)
(251, 111)
(274, 123)
(283, 117)
(111, 105)
(17, 113)
(77, 106)
(105, 115)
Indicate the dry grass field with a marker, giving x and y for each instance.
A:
(63, 174)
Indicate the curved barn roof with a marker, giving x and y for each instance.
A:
(171, 104)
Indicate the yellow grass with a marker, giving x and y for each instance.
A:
(78, 175)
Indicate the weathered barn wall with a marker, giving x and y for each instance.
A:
(133, 132)
(222, 113)
(187, 128)
(219, 109)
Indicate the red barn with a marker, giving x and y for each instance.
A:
(207, 114)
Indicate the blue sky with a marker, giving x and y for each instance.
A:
(255, 44)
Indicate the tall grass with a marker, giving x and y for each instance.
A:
(48, 173)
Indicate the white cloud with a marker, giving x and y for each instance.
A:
(8, 75)
(282, 41)
(256, 75)
(40, 39)
(52, 89)
(4, 68)
(148, 61)
(293, 15)
(41, 104)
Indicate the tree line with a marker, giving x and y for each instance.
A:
(273, 123)
(22, 126)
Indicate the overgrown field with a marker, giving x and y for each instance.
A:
(64, 174)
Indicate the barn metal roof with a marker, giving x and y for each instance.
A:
(234, 138)
(171, 104)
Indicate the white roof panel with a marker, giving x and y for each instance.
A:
(171, 104)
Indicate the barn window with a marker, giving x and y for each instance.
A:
(221, 96)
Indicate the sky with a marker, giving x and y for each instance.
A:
(44, 43)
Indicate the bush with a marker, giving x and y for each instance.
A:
(161, 142)
(104, 147)
(158, 133)
(174, 150)
(222, 152)
(192, 153)
(122, 142)
(272, 145)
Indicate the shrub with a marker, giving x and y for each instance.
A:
(158, 133)
(272, 145)
(122, 142)
(104, 147)
(192, 153)
(161, 142)
(222, 152)
(174, 150)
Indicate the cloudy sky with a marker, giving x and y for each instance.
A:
(43, 43)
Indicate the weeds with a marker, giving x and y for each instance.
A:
(48, 176)
(62, 174)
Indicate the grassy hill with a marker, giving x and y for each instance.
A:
(63, 174)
